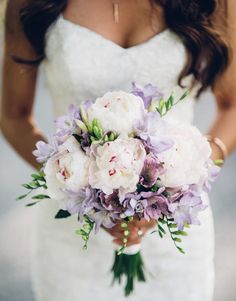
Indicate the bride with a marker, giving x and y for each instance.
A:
(87, 48)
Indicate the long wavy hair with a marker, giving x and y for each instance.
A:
(197, 22)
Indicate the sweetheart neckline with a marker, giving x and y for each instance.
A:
(114, 44)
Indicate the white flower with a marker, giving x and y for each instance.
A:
(117, 165)
(68, 169)
(185, 162)
(117, 111)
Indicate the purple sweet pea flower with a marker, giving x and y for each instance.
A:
(81, 201)
(134, 206)
(152, 169)
(45, 150)
(102, 218)
(87, 104)
(109, 202)
(186, 209)
(147, 93)
(66, 125)
(213, 172)
(157, 206)
(152, 131)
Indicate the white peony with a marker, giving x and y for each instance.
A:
(68, 169)
(117, 111)
(185, 162)
(117, 165)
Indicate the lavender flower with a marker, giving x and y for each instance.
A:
(151, 170)
(213, 172)
(147, 93)
(134, 206)
(66, 125)
(81, 201)
(45, 150)
(87, 104)
(101, 218)
(110, 202)
(186, 209)
(157, 206)
(152, 130)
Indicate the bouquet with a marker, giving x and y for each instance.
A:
(118, 159)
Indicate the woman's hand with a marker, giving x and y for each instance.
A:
(134, 228)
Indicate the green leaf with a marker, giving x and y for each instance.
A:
(27, 186)
(181, 250)
(182, 233)
(160, 234)
(40, 197)
(31, 204)
(34, 184)
(36, 176)
(172, 226)
(186, 93)
(161, 105)
(77, 137)
(161, 229)
(162, 221)
(21, 197)
(176, 239)
(168, 105)
(62, 214)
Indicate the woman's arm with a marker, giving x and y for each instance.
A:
(224, 126)
(18, 88)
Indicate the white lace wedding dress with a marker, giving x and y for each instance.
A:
(82, 64)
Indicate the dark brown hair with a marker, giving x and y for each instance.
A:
(195, 21)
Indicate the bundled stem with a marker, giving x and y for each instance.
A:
(131, 267)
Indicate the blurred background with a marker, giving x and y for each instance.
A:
(15, 219)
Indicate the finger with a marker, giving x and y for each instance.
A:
(145, 224)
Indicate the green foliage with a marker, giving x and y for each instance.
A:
(85, 231)
(130, 267)
(172, 228)
(62, 214)
(37, 181)
(164, 106)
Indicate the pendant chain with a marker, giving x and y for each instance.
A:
(116, 12)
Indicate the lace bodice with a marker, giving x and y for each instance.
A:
(81, 64)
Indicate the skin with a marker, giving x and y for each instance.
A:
(17, 100)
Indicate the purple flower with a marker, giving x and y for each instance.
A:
(45, 150)
(87, 104)
(102, 218)
(134, 206)
(110, 202)
(66, 125)
(151, 170)
(147, 93)
(152, 130)
(157, 206)
(186, 209)
(81, 201)
(213, 172)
